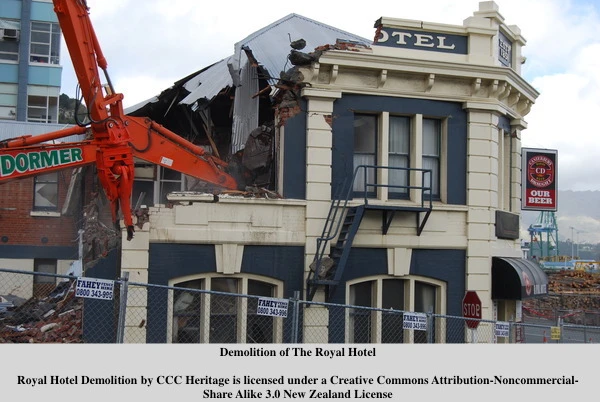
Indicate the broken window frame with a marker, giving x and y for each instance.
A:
(44, 284)
(45, 181)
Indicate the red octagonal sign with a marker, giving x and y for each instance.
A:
(471, 307)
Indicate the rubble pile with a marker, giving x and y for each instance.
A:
(56, 318)
(98, 239)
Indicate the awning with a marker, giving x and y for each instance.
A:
(517, 279)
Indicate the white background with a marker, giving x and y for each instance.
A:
(392, 361)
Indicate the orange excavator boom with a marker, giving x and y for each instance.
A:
(115, 138)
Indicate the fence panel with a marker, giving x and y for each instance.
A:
(163, 314)
(41, 307)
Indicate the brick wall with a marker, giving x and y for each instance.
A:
(19, 227)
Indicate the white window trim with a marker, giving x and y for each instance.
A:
(409, 301)
(416, 153)
(242, 309)
(47, 214)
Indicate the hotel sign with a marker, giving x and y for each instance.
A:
(422, 40)
(539, 175)
(504, 50)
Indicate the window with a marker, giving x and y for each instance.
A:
(386, 299)
(199, 316)
(393, 299)
(399, 156)
(9, 50)
(8, 101)
(431, 154)
(9, 40)
(361, 294)
(365, 147)
(168, 180)
(42, 284)
(45, 194)
(42, 109)
(259, 327)
(505, 149)
(152, 183)
(45, 43)
(408, 146)
(424, 303)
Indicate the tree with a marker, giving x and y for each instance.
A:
(66, 110)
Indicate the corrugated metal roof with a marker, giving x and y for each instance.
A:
(11, 129)
(209, 82)
(271, 45)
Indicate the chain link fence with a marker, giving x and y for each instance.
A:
(50, 308)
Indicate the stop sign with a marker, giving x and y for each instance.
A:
(471, 307)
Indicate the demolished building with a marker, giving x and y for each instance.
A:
(390, 167)
(231, 106)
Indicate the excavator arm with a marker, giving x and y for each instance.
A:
(115, 137)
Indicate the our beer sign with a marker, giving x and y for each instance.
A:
(539, 176)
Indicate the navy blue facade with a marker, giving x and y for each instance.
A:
(29, 252)
(423, 40)
(100, 317)
(444, 265)
(504, 123)
(294, 161)
(343, 136)
(170, 261)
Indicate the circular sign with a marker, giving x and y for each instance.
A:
(528, 284)
(540, 171)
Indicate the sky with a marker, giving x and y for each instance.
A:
(151, 44)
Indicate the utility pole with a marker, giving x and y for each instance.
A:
(572, 243)
(577, 247)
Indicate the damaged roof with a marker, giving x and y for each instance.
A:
(269, 47)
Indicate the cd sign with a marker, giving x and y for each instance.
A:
(540, 171)
(539, 180)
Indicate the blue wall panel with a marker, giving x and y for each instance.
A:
(343, 136)
(28, 252)
(10, 9)
(100, 317)
(43, 12)
(168, 261)
(294, 169)
(444, 265)
(9, 73)
(45, 75)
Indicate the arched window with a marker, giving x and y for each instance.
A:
(387, 298)
(220, 309)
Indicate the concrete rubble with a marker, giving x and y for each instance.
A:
(56, 318)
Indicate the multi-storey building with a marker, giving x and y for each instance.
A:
(413, 142)
(39, 216)
(418, 136)
(30, 70)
